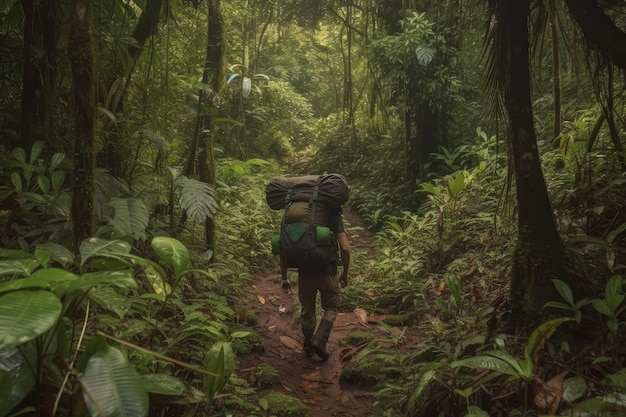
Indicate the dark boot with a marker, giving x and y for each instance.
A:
(321, 337)
(308, 336)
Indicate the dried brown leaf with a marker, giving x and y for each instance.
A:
(315, 376)
(291, 343)
(361, 314)
(371, 294)
(550, 394)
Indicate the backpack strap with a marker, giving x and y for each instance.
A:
(288, 196)
(313, 202)
(287, 204)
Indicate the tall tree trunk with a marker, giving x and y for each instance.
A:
(348, 82)
(39, 55)
(82, 57)
(539, 253)
(213, 74)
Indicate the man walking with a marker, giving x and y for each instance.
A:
(326, 280)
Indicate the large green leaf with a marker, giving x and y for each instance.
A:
(130, 217)
(197, 198)
(26, 315)
(163, 384)
(456, 185)
(54, 251)
(108, 299)
(220, 361)
(101, 247)
(474, 411)
(18, 266)
(112, 386)
(121, 279)
(489, 362)
(16, 380)
(172, 252)
(540, 336)
(609, 405)
(424, 381)
(14, 254)
(159, 285)
(39, 279)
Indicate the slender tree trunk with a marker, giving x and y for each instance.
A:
(82, 57)
(213, 74)
(39, 55)
(608, 112)
(114, 93)
(539, 253)
(348, 84)
(556, 78)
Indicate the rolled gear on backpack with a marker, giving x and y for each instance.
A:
(333, 190)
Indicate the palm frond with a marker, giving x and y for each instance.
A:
(197, 198)
(108, 187)
(495, 52)
(130, 217)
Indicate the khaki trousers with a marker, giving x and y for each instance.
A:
(330, 294)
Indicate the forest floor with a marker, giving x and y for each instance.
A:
(316, 383)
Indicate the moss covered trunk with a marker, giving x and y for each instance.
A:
(540, 254)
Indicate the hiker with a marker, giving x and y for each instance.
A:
(328, 282)
(312, 232)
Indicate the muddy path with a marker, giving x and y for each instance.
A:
(316, 383)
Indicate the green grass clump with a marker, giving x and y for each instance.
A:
(266, 376)
(281, 405)
(253, 342)
(358, 338)
(369, 370)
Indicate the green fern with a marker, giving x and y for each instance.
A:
(197, 198)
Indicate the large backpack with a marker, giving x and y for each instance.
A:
(305, 241)
(332, 190)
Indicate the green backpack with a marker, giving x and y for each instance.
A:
(307, 246)
(305, 242)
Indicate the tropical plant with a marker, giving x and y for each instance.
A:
(36, 195)
(611, 306)
(574, 307)
(42, 299)
(503, 363)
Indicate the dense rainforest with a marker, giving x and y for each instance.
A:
(483, 143)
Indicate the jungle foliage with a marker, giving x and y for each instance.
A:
(137, 138)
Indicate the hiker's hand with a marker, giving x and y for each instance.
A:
(343, 280)
(286, 286)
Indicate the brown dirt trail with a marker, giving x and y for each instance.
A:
(316, 383)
